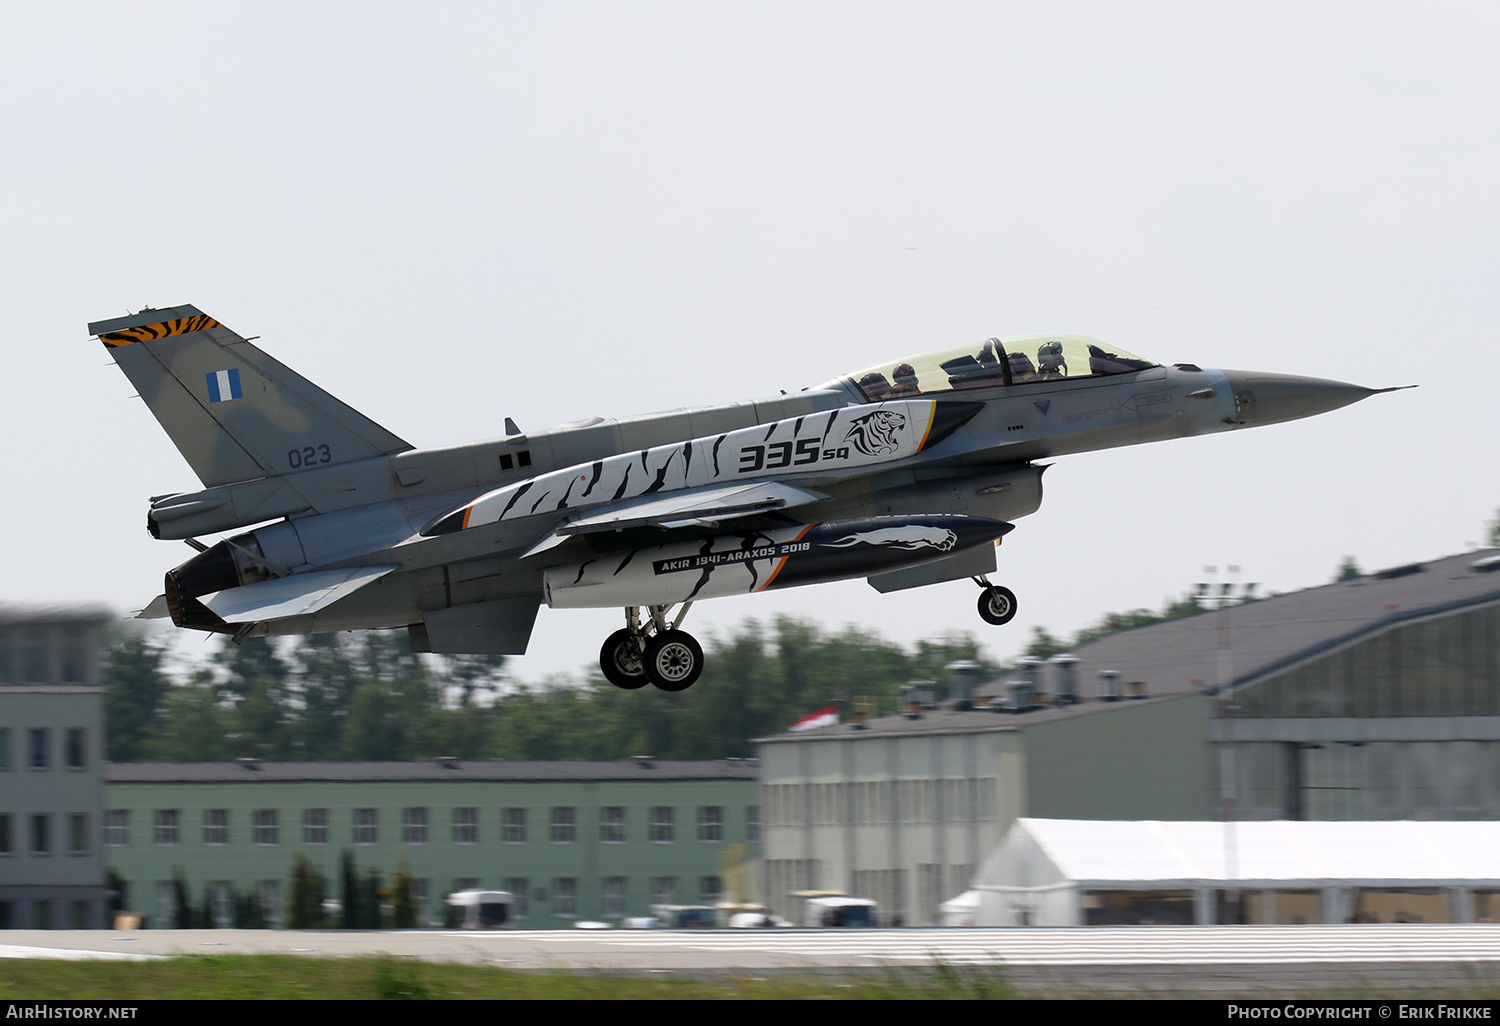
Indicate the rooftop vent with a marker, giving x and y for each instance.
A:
(1109, 685)
(1022, 697)
(644, 761)
(1486, 564)
(1400, 571)
(963, 674)
(447, 761)
(1064, 679)
(248, 763)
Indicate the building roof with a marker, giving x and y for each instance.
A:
(458, 770)
(17, 614)
(1180, 657)
(1275, 852)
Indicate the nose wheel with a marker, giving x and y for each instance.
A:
(997, 605)
(652, 652)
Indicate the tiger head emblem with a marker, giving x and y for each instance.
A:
(874, 434)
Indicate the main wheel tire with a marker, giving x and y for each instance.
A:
(621, 660)
(997, 605)
(674, 660)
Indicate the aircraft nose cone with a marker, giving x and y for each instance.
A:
(1272, 398)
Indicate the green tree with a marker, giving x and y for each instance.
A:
(348, 891)
(403, 904)
(1494, 531)
(182, 911)
(249, 914)
(135, 687)
(371, 910)
(195, 727)
(1348, 570)
(304, 895)
(1044, 645)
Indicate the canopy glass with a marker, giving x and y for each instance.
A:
(996, 363)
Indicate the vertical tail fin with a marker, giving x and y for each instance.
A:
(233, 412)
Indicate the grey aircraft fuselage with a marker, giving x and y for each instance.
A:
(462, 544)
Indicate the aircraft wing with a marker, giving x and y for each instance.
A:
(296, 595)
(688, 507)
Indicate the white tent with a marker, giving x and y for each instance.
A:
(1056, 872)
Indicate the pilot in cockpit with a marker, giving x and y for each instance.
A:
(875, 386)
(906, 380)
(1050, 361)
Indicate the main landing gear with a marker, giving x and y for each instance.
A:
(997, 605)
(652, 652)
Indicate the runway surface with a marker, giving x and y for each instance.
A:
(1204, 961)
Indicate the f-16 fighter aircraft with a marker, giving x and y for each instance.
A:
(907, 474)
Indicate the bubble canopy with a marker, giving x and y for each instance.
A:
(996, 363)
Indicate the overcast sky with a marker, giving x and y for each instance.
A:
(447, 214)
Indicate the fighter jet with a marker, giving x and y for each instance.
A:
(908, 474)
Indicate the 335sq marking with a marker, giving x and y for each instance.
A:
(780, 454)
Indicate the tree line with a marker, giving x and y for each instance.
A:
(365, 696)
(363, 902)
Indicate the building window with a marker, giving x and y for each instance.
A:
(78, 834)
(39, 745)
(366, 830)
(663, 890)
(421, 899)
(74, 653)
(215, 826)
(38, 657)
(710, 823)
(166, 826)
(752, 823)
(414, 826)
(513, 823)
(265, 829)
(221, 903)
(661, 824)
(565, 896)
(77, 748)
(117, 828)
(465, 826)
(314, 826)
(4, 748)
(269, 892)
(7, 846)
(709, 891)
(517, 886)
(166, 905)
(612, 825)
(562, 825)
(614, 897)
(41, 835)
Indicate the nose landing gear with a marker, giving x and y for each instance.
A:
(997, 605)
(652, 652)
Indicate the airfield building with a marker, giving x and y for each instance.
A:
(574, 841)
(1376, 698)
(51, 757)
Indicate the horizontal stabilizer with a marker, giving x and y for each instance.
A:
(297, 595)
(156, 610)
(687, 507)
